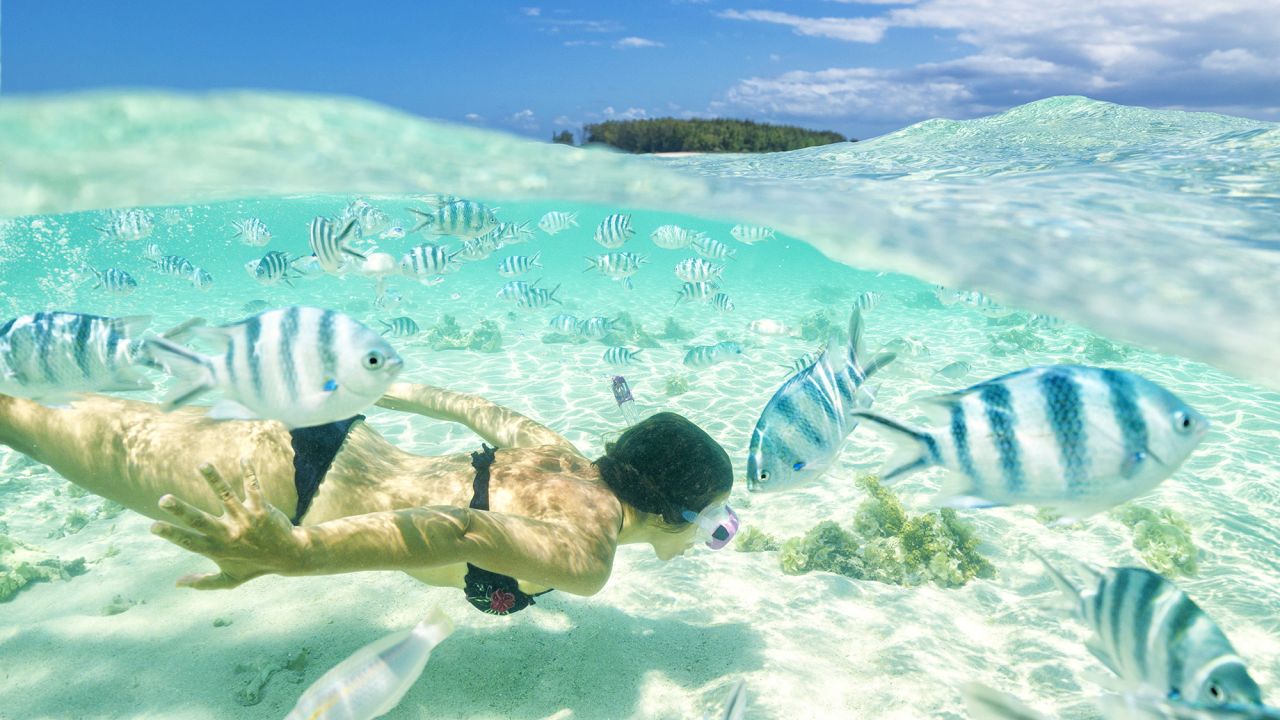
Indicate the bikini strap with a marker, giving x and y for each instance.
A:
(480, 486)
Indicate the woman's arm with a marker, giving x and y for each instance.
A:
(251, 538)
(498, 426)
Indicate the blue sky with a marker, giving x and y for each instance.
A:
(860, 68)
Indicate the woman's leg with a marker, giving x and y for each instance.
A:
(133, 452)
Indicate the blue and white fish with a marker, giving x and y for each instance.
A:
(721, 302)
(1075, 439)
(696, 291)
(955, 370)
(515, 290)
(751, 234)
(201, 279)
(274, 267)
(621, 355)
(971, 299)
(375, 678)
(513, 233)
(1155, 639)
(400, 327)
(803, 362)
(478, 248)
(129, 225)
(556, 221)
(536, 297)
(698, 270)
(174, 265)
(395, 232)
(518, 264)
(1045, 321)
(329, 243)
(152, 252)
(596, 327)
(369, 220)
(428, 259)
(464, 219)
(614, 231)
(701, 356)
(252, 232)
(674, 237)
(307, 267)
(984, 703)
(617, 265)
(115, 281)
(805, 423)
(51, 356)
(867, 301)
(302, 366)
(713, 249)
(565, 324)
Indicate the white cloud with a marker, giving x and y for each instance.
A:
(582, 43)
(628, 114)
(862, 92)
(523, 118)
(473, 117)
(636, 42)
(531, 11)
(564, 121)
(865, 30)
(1239, 60)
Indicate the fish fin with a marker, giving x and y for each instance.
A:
(427, 219)
(131, 325)
(218, 337)
(353, 253)
(552, 295)
(181, 362)
(100, 282)
(593, 264)
(1132, 464)
(857, 350)
(533, 262)
(1095, 648)
(913, 446)
(735, 706)
(865, 395)
(226, 409)
(627, 282)
(183, 330)
(985, 703)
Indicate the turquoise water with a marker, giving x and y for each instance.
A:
(1152, 234)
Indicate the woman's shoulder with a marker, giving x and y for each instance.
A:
(553, 479)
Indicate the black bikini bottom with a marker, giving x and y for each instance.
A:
(314, 449)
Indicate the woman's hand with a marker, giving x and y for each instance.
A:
(248, 540)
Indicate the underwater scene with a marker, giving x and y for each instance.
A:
(999, 397)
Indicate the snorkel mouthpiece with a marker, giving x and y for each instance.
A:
(716, 526)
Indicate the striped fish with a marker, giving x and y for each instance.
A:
(805, 423)
(867, 301)
(513, 233)
(803, 362)
(201, 279)
(376, 677)
(556, 221)
(328, 243)
(973, 300)
(515, 290)
(51, 356)
(129, 225)
(955, 370)
(699, 291)
(1044, 321)
(984, 703)
(701, 356)
(518, 264)
(596, 327)
(698, 270)
(369, 220)
(674, 237)
(721, 302)
(1151, 635)
(565, 324)
(477, 248)
(116, 281)
(713, 249)
(274, 267)
(252, 232)
(751, 234)
(616, 265)
(428, 259)
(536, 297)
(174, 265)
(621, 355)
(302, 366)
(614, 230)
(463, 218)
(1075, 439)
(152, 252)
(400, 327)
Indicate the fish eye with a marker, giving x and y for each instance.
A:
(1182, 422)
(1215, 692)
(374, 360)
(764, 476)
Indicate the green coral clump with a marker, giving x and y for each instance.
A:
(627, 332)
(1099, 350)
(827, 547)
(22, 565)
(818, 326)
(448, 335)
(672, 330)
(1163, 539)
(676, 385)
(752, 539)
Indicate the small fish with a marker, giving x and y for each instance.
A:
(536, 297)
(201, 279)
(698, 270)
(751, 234)
(152, 252)
(721, 302)
(427, 260)
(596, 327)
(735, 705)
(129, 225)
(978, 301)
(329, 243)
(955, 370)
(984, 703)
(805, 423)
(514, 290)
(907, 346)
(765, 326)
(565, 324)
(614, 230)
(518, 264)
(274, 267)
(302, 366)
(616, 265)
(803, 362)
(1151, 635)
(1075, 439)
(463, 218)
(400, 327)
(699, 291)
(556, 221)
(376, 677)
(369, 220)
(478, 248)
(395, 232)
(252, 232)
(513, 233)
(173, 215)
(50, 356)
(867, 301)
(307, 267)
(116, 281)
(701, 356)
(674, 237)
(713, 249)
(174, 265)
(621, 356)
(1045, 321)
(255, 306)
(388, 299)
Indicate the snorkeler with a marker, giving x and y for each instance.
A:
(505, 525)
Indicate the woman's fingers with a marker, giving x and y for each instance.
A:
(253, 499)
(193, 541)
(211, 581)
(191, 516)
(220, 488)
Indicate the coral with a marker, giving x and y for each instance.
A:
(818, 327)
(676, 385)
(880, 515)
(250, 693)
(673, 331)
(75, 521)
(1163, 539)
(826, 547)
(1100, 350)
(485, 337)
(447, 335)
(627, 331)
(118, 604)
(754, 540)
(22, 565)
(1014, 341)
(829, 294)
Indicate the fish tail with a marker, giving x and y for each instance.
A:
(101, 280)
(187, 365)
(425, 219)
(552, 295)
(857, 350)
(985, 703)
(1068, 588)
(592, 264)
(916, 449)
(533, 262)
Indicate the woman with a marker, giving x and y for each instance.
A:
(504, 526)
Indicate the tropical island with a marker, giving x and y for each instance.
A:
(661, 135)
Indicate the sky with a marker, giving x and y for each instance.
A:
(534, 68)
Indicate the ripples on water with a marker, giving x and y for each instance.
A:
(1156, 228)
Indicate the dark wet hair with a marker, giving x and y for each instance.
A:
(665, 465)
